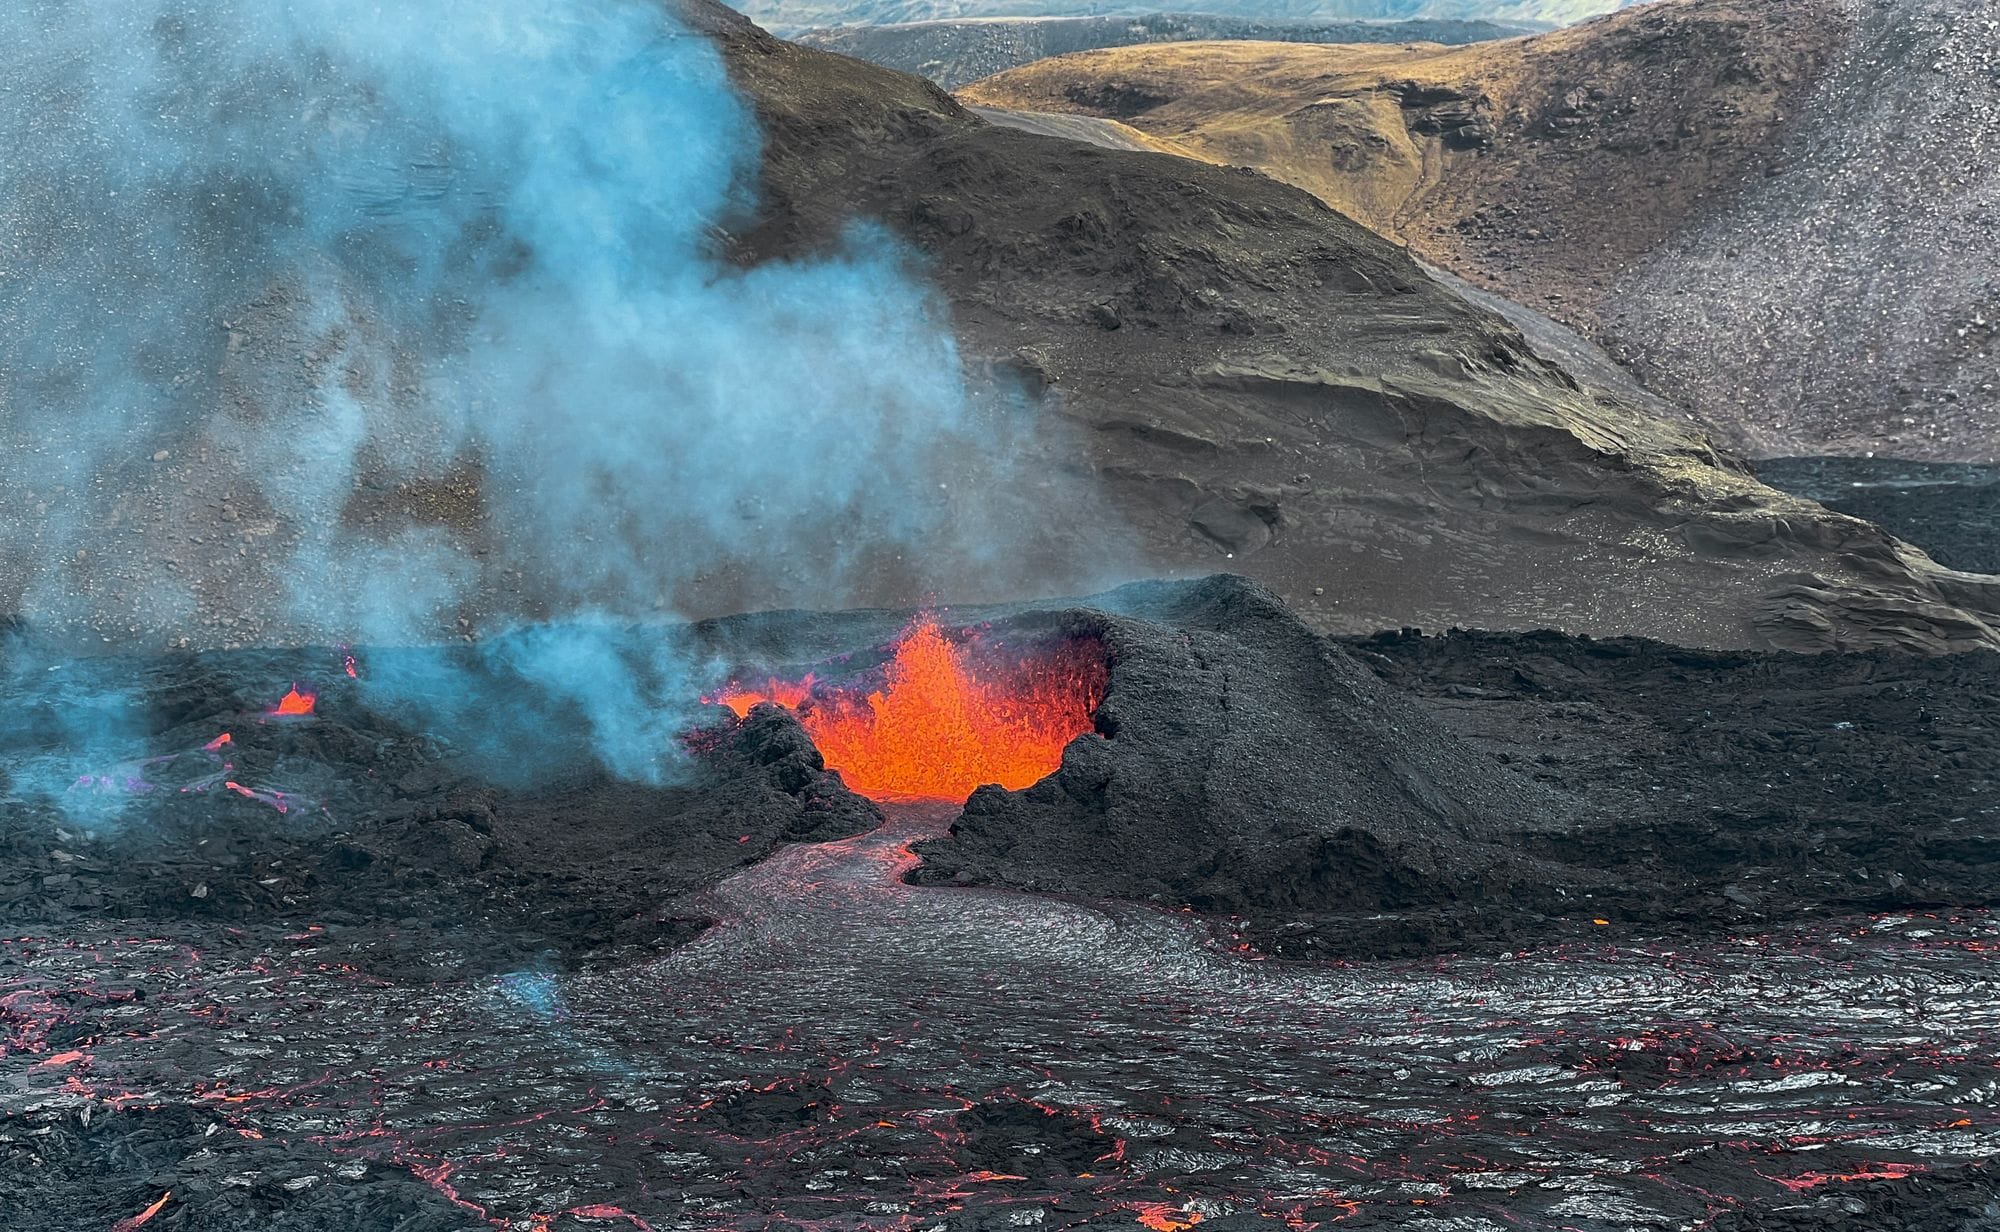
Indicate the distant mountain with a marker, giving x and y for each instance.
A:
(796, 15)
(953, 53)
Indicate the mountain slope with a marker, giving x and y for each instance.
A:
(1545, 165)
(1254, 379)
(1174, 368)
(1786, 198)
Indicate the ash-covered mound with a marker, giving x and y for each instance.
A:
(350, 816)
(1243, 764)
(1496, 790)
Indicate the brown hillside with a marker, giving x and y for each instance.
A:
(1254, 382)
(1542, 166)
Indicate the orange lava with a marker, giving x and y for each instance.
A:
(296, 702)
(140, 1219)
(1163, 1218)
(790, 696)
(940, 727)
(1872, 1172)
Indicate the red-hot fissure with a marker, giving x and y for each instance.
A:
(941, 726)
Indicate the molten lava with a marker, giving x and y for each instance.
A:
(296, 702)
(939, 728)
(143, 1217)
(785, 694)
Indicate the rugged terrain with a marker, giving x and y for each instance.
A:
(1183, 368)
(1402, 793)
(423, 997)
(1253, 379)
(1768, 209)
(953, 53)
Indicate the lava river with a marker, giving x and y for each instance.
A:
(846, 1050)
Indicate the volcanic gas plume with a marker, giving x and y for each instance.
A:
(947, 718)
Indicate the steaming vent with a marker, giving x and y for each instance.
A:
(946, 714)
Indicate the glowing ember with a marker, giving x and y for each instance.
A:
(296, 702)
(936, 730)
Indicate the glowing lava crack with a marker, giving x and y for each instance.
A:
(942, 725)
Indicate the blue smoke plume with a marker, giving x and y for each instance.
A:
(330, 321)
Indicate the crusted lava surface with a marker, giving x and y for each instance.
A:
(1404, 794)
(419, 999)
(1951, 510)
(348, 817)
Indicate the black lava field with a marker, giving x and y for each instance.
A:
(723, 1003)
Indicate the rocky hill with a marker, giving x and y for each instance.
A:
(1173, 368)
(1774, 198)
(1260, 384)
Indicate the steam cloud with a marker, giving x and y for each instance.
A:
(327, 321)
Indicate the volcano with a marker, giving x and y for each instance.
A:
(595, 891)
(755, 961)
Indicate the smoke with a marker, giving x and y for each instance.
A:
(72, 730)
(327, 321)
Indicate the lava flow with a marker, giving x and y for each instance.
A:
(937, 729)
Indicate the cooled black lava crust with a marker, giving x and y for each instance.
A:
(391, 826)
(1402, 794)
(1393, 795)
